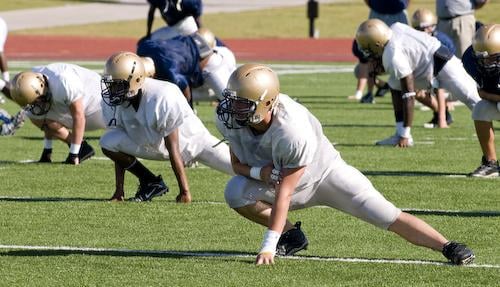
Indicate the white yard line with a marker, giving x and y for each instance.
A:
(106, 251)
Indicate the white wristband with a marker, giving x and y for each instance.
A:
(404, 132)
(270, 241)
(74, 148)
(409, 95)
(6, 76)
(2, 84)
(255, 172)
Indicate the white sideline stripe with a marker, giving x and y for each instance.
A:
(238, 255)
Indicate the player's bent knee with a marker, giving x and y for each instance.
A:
(111, 141)
(234, 194)
(485, 111)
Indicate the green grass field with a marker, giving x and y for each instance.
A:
(207, 244)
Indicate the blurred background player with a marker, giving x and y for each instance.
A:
(388, 11)
(220, 66)
(414, 60)
(424, 20)
(482, 62)
(186, 61)
(366, 72)
(457, 20)
(283, 162)
(10, 124)
(151, 119)
(59, 97)
(183, 17)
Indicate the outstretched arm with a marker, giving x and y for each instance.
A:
(77, 113)
(408, 96)
(172, 144)
(290, 177)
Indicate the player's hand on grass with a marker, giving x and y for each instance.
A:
(183, 197)
(264, 258)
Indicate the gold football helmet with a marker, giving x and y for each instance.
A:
(372, 36)
(252, 91)
(30, 90)
(123, 77)
(208, 36)
(486, 45)
(149, 66)
(423, 18)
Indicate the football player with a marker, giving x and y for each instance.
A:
(482, 62)
(414, 60)
(220, 66)
(181, 16)
(151, 119)
(424, 20)
(186, 61)
(59, 97)
(283, 161)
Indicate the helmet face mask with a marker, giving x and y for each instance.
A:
(234, 111)
(251, 93)
(41, 105)
(114, 92)
(123, 77)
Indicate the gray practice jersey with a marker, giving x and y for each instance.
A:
(163, 109)
(409, 52)
(68, 83)
(294, 139)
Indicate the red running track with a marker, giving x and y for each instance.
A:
(26, 47)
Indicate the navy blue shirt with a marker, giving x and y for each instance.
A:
(445, 40)
(388, 6)
(177, 10)
(176, 60)
(489, 82)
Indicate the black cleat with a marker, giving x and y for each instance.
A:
(46, 155)
(150, 190)
(292, 241)
(367, 99)
(86, 151)
(488, 168)
(434, 122)
(457, 253)
(381, 91)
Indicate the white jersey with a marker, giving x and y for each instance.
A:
(294, 139)
(216, 73)
(409, 52)
(68, 83)
(163, 108)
